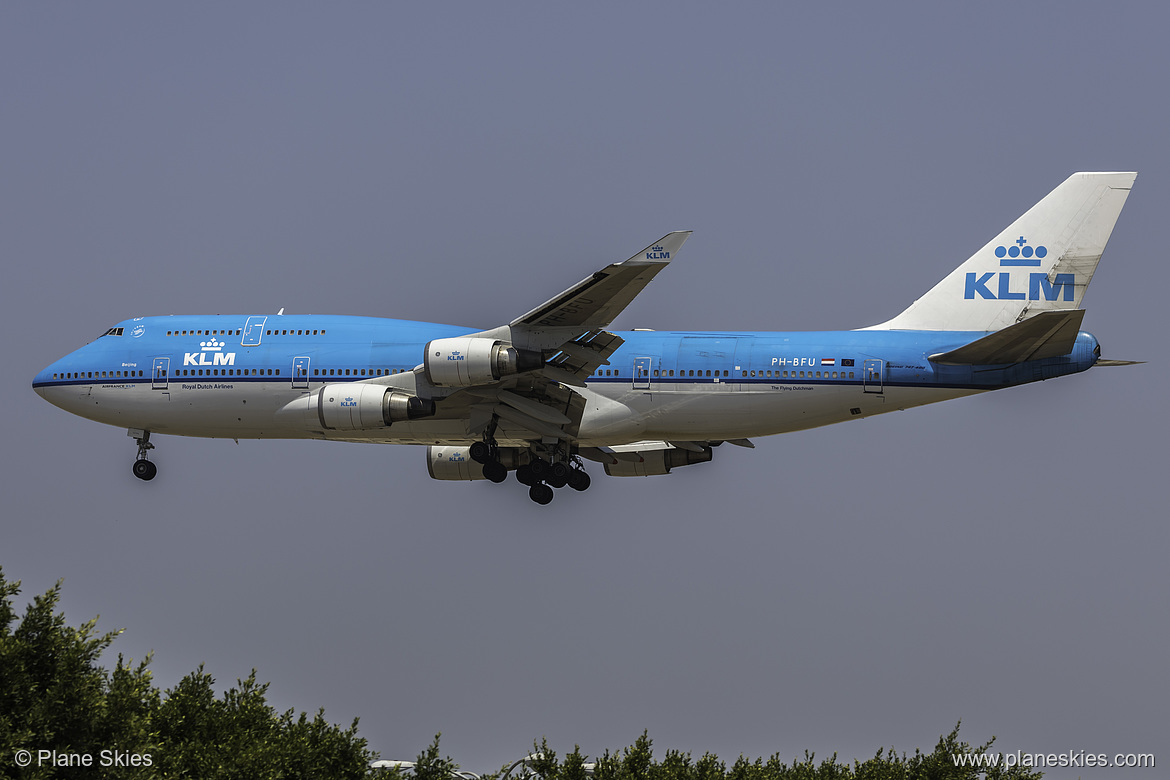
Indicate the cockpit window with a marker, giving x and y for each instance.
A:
(113, 332)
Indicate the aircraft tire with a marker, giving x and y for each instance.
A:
(524, 476)
(480, 452)
(558, 475)
(144, 469)
(539, 468)
(495, 471)
(540, 493)
(579, 480)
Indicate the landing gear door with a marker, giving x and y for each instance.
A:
(253, 330)
(300, 372)
(642, 373)
(871, 376)
(159, 372)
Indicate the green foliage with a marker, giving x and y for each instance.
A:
(636, 762)
(54, 696)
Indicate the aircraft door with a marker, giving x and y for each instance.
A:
(642, 373)
(253, 331)
(158, 373)
(300, 372)
(871, 376)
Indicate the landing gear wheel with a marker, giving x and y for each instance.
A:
(539, 468)
(540, 493)
(495, 471)
(144, 469)
(480, 452)
(524, 476)
(558, 475)
(579, 480)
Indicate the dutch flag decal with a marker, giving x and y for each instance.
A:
(828, 362)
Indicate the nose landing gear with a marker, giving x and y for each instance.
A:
(143, 468)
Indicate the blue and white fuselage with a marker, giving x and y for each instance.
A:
(192, 376)
(555, 386)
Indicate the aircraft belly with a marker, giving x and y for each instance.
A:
(707, 415)
(217, 410)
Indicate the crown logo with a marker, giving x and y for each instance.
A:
(211, 346)
(1020, 253)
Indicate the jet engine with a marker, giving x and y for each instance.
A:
(657, 462)
(466, 362)
(456, 463)
(359, 407)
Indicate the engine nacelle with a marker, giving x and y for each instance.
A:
(452, 463)
(466, 362)
(657, 462)
(456, 463)
(360, 407)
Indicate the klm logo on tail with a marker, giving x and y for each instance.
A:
(1020, 254)
(657, 253)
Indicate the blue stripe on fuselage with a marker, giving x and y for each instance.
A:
(213, 345)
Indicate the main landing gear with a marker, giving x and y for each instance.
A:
(542, 472)
(542, 476)
(143, 468)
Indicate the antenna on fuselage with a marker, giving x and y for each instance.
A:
(280, 312)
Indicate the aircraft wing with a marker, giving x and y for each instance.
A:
(569, 333)
(593, 302)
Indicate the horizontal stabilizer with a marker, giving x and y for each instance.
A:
(1048, 334)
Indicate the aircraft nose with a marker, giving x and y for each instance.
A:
(39, 381)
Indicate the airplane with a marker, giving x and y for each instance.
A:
(555, 387)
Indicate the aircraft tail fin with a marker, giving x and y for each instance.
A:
(1041, 262)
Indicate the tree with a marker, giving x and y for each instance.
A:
(54, 696)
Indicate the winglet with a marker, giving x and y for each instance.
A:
(594, 301)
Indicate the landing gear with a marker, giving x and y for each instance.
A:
(143, 468)
(550, 465)
(540, 493)
(543, 476)
(495, 471)
(481, 451)
(579, 479)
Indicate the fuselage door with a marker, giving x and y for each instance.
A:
(253, 331)
(158, 374)
(642, 373)
(300, 372)
(871, 376)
